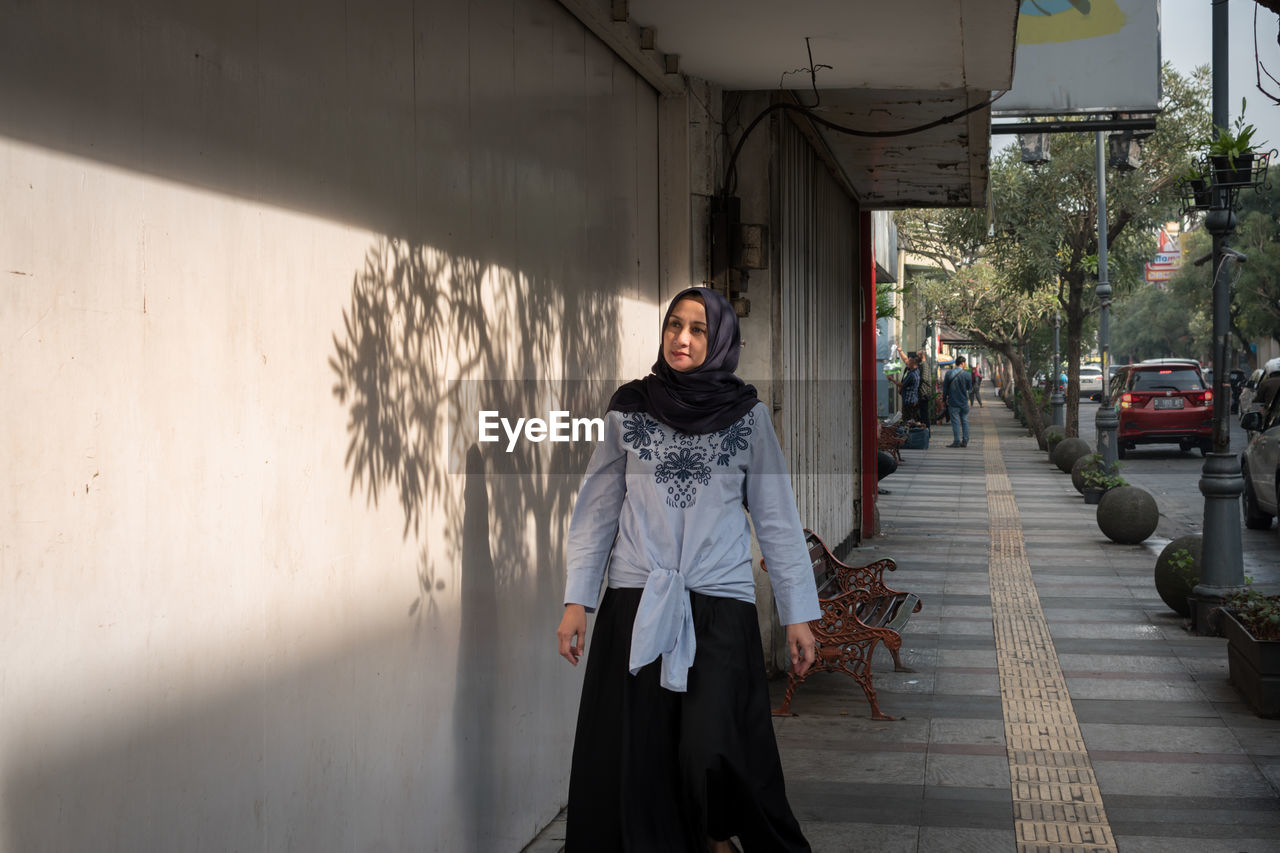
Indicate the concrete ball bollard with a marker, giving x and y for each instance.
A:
(1177, 577)
(1128, 515)
(1084, 463)
(1068, 451)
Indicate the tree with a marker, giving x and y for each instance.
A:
(998, 316)
(1256, 293)
(1043, 228)
(1153, 322)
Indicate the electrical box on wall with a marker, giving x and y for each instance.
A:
(753, 247)
(735, 249)
(725, 219)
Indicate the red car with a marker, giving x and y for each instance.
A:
(1162, 401)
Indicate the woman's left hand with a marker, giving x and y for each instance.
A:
(800, 644)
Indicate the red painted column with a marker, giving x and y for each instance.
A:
(867, 378)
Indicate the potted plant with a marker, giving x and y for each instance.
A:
(1098, 480)
(1231, 152)
(1251, 625)
(1087, 461)
(1052, 437)
(1196, 193)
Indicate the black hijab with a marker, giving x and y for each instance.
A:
(709, 397)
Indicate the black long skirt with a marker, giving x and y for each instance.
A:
(659, 772)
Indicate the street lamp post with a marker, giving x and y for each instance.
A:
(1222, 563)
(1107, 421)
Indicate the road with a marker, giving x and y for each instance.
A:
(1173, 478)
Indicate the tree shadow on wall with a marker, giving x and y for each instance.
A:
(417, 316)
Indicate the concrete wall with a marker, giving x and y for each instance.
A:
(260, 587)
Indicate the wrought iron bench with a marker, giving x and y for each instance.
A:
(858, 611)
(890, 439)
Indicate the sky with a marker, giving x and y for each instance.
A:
(1186, 40)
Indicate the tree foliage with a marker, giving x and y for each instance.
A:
(1154, 322)
(1256, 295)
(1042, 229)
(1255, 289)
(996, 315)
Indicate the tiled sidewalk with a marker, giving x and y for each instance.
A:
(1180, 762)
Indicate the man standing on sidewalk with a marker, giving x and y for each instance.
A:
(956, 386)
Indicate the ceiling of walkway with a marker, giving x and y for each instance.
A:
(893, 66)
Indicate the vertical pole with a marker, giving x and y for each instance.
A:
(1222, 563)
(1057, 398)
(1106, 421)
(870, 427)
(1220, 60)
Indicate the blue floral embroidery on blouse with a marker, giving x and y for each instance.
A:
(640, 432)
(733, 438)
(683, 467)
(684, 462)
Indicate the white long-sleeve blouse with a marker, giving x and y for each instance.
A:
(663, 510)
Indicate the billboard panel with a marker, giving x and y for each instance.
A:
(1085, 56)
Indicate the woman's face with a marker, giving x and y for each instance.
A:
(684, 340)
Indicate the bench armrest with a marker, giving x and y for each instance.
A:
(869, 577)
(839, 618)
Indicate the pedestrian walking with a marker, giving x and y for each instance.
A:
(975, 396)
(674, 749)
(956, 386)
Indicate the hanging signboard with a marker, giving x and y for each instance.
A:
(1075, 56)
(1157, 274)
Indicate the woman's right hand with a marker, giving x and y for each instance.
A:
(572, 633)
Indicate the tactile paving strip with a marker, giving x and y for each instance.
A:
(1056, 802)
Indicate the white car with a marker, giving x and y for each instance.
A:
(1254, 396)
(1091, 382)
(1258, 464)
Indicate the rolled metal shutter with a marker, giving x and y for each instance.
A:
(818, 331)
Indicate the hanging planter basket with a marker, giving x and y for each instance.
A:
(1196, 194)
(1248, 169)
(1237, 171)
(1223, 174)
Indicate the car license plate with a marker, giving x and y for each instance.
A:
(1168, 403)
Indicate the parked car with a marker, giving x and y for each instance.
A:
(1261, 397)
(1258, 464)
(1090, 382)
(1250, 399)
(1163, 401)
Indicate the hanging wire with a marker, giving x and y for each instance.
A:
(812, 71)
(731, 173)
